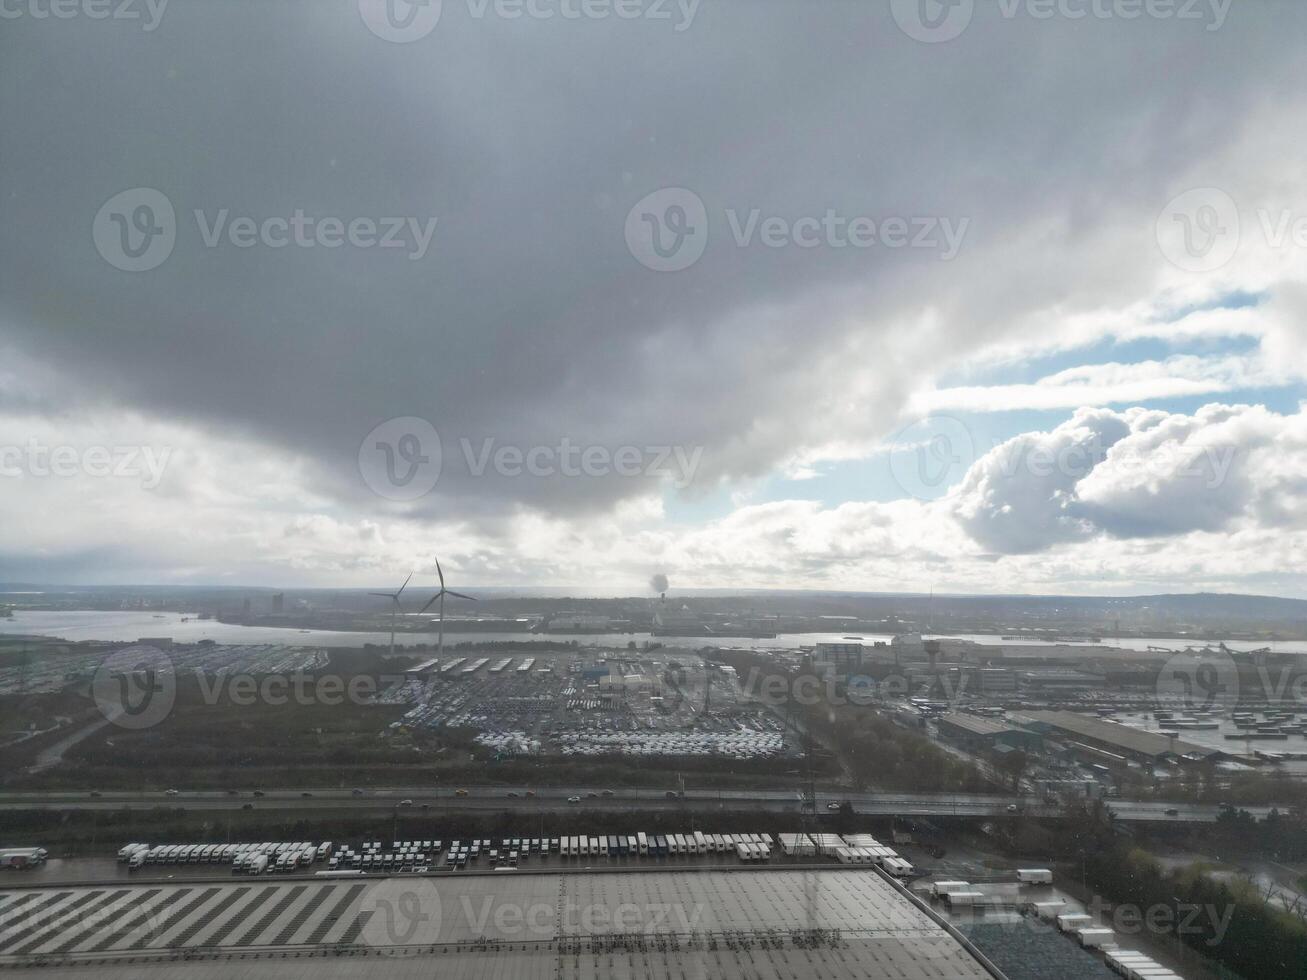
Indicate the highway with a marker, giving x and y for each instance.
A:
(418, 798)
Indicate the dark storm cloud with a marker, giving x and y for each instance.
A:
(527, 321)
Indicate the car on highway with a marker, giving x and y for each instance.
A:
(832, 806)
(1012, 808)
(1171, 811)
(460, 792)
(607, 792)
(574, 799)
(172, 792)
(511, 795)
(531, 794)
(405, 802)
(306, 795)
(232, 792)
(95, 793)
(258, 792)
(247, 806)
(356, 792)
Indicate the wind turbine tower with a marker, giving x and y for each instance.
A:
(441, 596)
(394, 608)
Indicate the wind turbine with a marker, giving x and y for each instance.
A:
(394, 609)
(441, 596)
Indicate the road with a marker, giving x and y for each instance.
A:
(515, 798)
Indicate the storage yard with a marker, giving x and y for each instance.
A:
(593, 705)
(1030, 926)
(424, 856)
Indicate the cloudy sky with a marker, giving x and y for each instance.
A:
(996, 297)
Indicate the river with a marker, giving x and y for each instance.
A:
(121, 626)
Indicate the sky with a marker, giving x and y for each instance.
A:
(886, 295)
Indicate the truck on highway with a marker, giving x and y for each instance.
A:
(22, 857)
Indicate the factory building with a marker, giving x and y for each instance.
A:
(975, 732)
(1110, 740)
(841, 657)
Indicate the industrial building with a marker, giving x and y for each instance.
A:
(763, 923)
(975, 732)
(842, 657)
(1113, 740)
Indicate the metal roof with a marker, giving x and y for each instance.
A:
(1114, 733)
(767, 924)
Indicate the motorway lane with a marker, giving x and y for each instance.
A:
(497, 798)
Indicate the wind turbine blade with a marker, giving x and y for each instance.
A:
(387, 595)
(460, 595)
(405, 585)
(429, 603)
(441, 574)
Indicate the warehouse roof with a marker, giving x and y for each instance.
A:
(769, 923)
(977, 725)
(1122, 736)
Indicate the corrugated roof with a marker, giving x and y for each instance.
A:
(977, 725)
(1114, 733)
